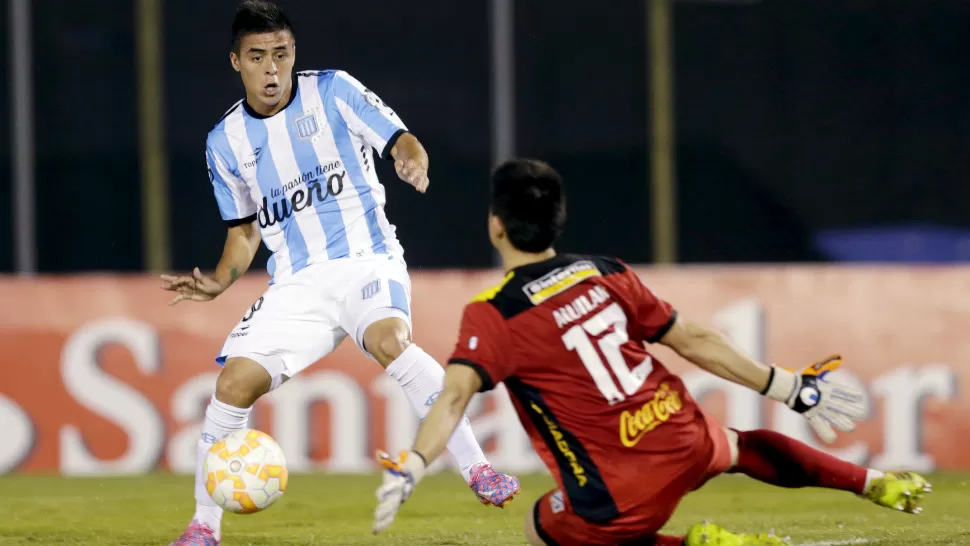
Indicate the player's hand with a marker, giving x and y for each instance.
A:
(197, 287)
(399, 478)
(413, 173)
(826, 404)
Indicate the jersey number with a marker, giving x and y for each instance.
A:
(578, 339)
(252, 310)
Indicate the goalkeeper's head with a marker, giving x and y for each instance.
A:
(527, 207)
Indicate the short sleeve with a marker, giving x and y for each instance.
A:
(231, 192)
(655, 317)
(481, 344)
(366, 115)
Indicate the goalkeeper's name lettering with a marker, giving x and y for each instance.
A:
(581, 306)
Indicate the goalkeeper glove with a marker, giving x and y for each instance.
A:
(824, 403)
(400, 477)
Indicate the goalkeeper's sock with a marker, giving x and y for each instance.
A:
(220, 420)
(774, 458)
(422, 378)
(872, 475)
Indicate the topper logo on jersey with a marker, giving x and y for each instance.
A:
(559, 280)
(255, 161)
(317, 191)
(633, 426)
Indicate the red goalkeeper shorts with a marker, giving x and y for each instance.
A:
(556, 524)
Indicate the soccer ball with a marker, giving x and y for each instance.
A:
(245, 472)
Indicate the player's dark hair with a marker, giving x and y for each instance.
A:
(255, 17)
(528, 198)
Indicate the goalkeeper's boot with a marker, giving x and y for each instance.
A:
(198, 534)
(491, 487)
(903, 491)
(708, 534)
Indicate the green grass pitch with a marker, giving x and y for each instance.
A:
(320, 509)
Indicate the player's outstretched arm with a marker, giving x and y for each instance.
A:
(712, 351)
(242, 242)
(411, 161)
(827, 405)
(402, 474)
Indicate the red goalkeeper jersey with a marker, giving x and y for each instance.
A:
(567, 337)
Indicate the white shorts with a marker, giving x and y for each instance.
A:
(306, 316)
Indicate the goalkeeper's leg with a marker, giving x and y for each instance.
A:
(776, 459)
(552, 522)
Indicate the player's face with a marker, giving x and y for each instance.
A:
(265, 62)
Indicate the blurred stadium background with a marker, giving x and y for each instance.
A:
(818, 147)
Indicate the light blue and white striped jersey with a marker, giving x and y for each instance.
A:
(306, 174)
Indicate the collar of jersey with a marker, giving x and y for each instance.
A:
(538, 268)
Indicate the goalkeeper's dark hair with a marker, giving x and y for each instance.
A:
(256, 17)
(527, 196)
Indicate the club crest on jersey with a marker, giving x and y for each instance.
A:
(307, 126)
(370, 290)
(559, 280)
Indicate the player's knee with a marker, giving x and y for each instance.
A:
(242, 382)
(387, 339)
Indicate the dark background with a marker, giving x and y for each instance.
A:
(6, 175)
(807, 130)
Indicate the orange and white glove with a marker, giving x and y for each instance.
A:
(826, 404)
(399, 478)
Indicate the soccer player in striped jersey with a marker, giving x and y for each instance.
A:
(292, 165)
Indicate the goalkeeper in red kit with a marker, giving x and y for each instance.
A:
(621, 435)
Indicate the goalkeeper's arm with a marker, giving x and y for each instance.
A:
(712, 351)
(827, 405)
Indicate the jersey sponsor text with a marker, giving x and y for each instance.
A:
(635, 425)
